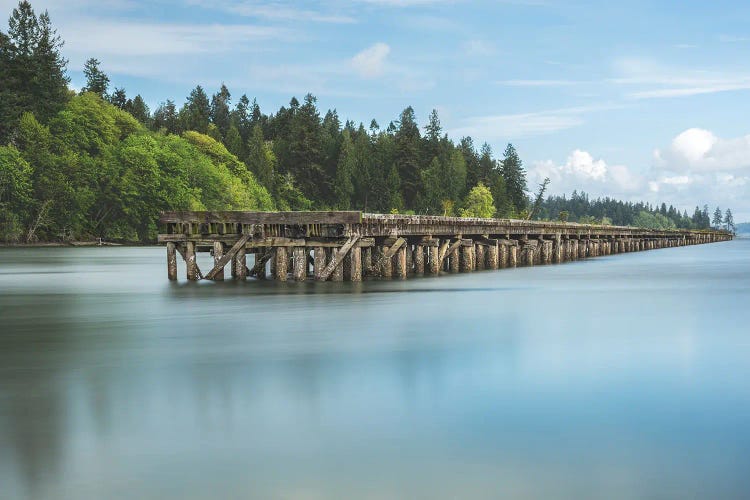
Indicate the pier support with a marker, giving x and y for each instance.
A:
(493, 256)
(419, 259)
(299, 257)
(400, 262)
(319, 263)
(355, 264)
(239, 264)
(513, 256)
(218, 254)
(281, 264)
(190, 263)
(171, 261)
(480, 256)
(467, 264)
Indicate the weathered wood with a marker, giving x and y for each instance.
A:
(449, 250)
(338, 257)
(337, 274)
(434, 259)
(319, 263)
(281, 264)
(419, 259)
(171, 262)
(355, 263)
(193, 273)
(493, 257)
(219, 265)
(480, 260)
(466, 259)
(218, 253)
(259, 268)
(238, 217)
(399, 261)
(513, 256)
(239, 264)
(299, 256)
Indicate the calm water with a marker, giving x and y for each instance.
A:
(619, 377)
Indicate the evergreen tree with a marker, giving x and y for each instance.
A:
(97, 82)
(220, 110)
(515, 178)
(119, 98)
(729, 220)
(717, 220)
(407, 156)
(166, 117)
(233, 141)
(196, 112)
(260, 158)
(472, 162)
(343, 186)
(139, 109)
(32, 70)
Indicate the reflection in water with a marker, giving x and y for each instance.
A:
(621, 377)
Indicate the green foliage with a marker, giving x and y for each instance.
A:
(15, 193)
(515, 178)
(653, 221)
(478, 203)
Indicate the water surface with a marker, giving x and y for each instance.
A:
(624, 376)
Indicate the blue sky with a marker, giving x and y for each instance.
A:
(638, 100)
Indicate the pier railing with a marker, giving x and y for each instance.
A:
(350, 245)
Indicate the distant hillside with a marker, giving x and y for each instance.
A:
(743, 228)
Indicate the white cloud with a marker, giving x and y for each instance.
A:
(699, 150)
(659, 81)
(503, 127)
(581, 171)
(539, 83)
(371, 62)
(274, 11)
(696, 168)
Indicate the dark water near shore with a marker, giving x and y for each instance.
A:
(619, 377)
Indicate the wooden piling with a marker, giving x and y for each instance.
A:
(434, 258)
(319, 262)
(338, 271)
(239, 265)
(513, 256)
(480, 256)
(190, 263)
(281, 264)
(218, 254)
(171, 261)
(493, 256)
(299, 258)
(399, 262)
(355, 264)
(419, 259)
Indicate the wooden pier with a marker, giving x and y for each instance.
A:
(351, 246)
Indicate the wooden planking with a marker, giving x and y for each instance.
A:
(242, 217)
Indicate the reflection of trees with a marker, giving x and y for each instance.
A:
(33, 352)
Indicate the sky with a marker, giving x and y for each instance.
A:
(633, 100)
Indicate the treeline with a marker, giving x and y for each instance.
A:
(102, 164)
(580, 208)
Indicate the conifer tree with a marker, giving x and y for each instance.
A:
(119, 98)
(196, 112)
(165, 117)
(139, 109)
(343, 186)
(515, 178)
(407, 156)
(717, 220)
(97, 82)
(220, 110)
(729, 220)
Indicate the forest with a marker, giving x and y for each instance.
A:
(100, 164)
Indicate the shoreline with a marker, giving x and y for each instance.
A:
(75, 244)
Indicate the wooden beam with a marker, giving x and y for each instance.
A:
(338, 257)
(181, 251)
(390, 253)
(242, 217)
(260, 263)
(449, 250)
(227, 257)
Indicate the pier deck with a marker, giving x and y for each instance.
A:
(351, 245)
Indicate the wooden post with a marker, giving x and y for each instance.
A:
(400, 262)
(355, 264)
(282, 261)
(239, 264)
(338, 271)
(409, 259)
(455, 263)
(299, 256)
(435, 259)
(387, 264)
(367, 261)
(466, 261)
(493, 256)
(529, 251)
(513, 256)
(319, 262)
(504, 256)
(419, 259)
(557, 250)
(171, 261)
(190, 263)
(218, 254)
(480, 256)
